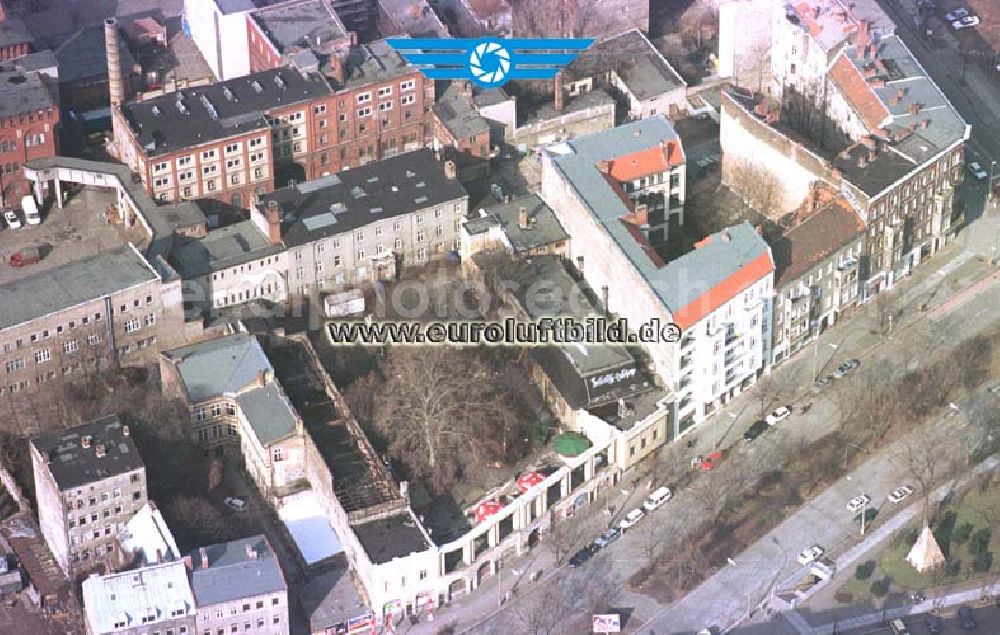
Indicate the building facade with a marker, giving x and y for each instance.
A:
(89, 481)
(29, 122)
(71, 321)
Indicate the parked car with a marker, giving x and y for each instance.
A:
(967, 22)
(898, 627)
(607, 538)
(12, 220)
(957, 14)
(934, 624)
(712, 461)
(30, 209)
(631, 518)
(966, 619)
(656, 500)
(857, 503)
(237, 504)
(581, 556)
(822, 383)
(780, 414)
(810, 555)
(900, 493)
(846, 368)
(977, 171)
(755, 430)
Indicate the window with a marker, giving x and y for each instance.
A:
(43, 356)
(71, 346)
(93, 339)
(232, 148)
(274, 601)
(407, 85)
(385, 105)
(159, 167)
(256, 143)
(150, 319)
(406, 100)
(319, 110)
(364, 98)
(132, 326)
(208, 155)
(336, 261)
(364, 112)
(385, 91)
(185, 161)
(420, 236)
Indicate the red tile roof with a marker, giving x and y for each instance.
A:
(653, 160)
(858, 93)
(721, 293)
(816, 238)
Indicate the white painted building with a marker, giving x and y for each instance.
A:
(219, 30)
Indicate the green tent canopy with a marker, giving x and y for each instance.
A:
(571, 444)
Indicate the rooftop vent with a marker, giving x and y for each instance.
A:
(156, 110)
(373, 179)
(85, 441)
(181, 107)
(410, 174)
(376, 210)
(420, 200)
(209, 107)
(357, 192)
(279, 82)
(100, 451)
(256, 86)
(228, 94)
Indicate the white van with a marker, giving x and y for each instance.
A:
(657, 499)
(30, 210)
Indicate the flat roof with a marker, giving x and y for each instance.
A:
(307, 24)
(72, 284)
(634, 58)
(543, 226)
(309, 527)
(219, 366)
(158, 590)
(389, 538)
(23, 92)
(208, 113)
(416, 18)
(547, 111)
(722, 265)
(361, 196)
(148, 537)
(831, 22)
(73, 465)
(14, 31)
(237, 569)
(221, 249)
(373, 62)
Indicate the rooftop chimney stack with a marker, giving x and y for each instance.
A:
(863, 39)
(450, 170)
(559, 92)
(99, 450)
(579, 264)
(115, 86)
(522, 218)
(251, 552)
(85, 441)
(203, 555)
(125, 431)
(273, 222)
(337, 67)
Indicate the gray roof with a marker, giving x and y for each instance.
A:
(416, 18)
(458, 115)
(548, 112)
(235, 6)
(14, 31)
(268, 412)
(490, 97)
(44, 61)
(74, 466)
(374, 62)
(23, 93)
(388, 538)
(83, 55)
(376, 191)
(634, 58)
(222, 248)
(544, 228)
(680, 281)
(220, 110)
(232, 574)
(300, 24)
(223, 365)
(72, 284)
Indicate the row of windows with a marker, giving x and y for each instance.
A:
(234, 628)
(214, 411)
(209, 155)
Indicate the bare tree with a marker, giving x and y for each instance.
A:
(440, 411)
(566, 536)
(928, 459)
(759, 187)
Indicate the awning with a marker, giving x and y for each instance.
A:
(487, 509)
(528, 480)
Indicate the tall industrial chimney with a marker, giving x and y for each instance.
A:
(558, 89)
(114, 63)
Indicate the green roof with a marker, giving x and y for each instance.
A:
(571, 444)
(268, 413)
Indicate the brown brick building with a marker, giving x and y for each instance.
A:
(236, 139)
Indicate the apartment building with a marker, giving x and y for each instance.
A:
(154, 599)
(365, 224)
(459, 130)
(29, 121)
(816, 276)
(524, 227)
(298, 33)
(719, 293)
(70, 321)
(237, 407)
(89, 481)
(238, 586)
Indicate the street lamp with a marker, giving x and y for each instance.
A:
(815, 350)
(732, 563)
(864, 507)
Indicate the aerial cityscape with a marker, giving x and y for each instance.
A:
(545, 317)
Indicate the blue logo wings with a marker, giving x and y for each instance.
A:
(489, 62)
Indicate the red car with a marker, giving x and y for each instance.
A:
(711, 461)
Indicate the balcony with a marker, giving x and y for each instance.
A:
(685, 363)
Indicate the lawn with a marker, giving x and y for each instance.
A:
(964, 531)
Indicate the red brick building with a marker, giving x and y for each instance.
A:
(15, 39)
(206, 142)
(29, 115)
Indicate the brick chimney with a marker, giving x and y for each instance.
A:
(579, 264)
(467, 91)
(914, 109)
(85, 441)
(450, 170)
(273, 222)
(863, 39)
(203, 555)
(99, 450)
(559, 105)
(251, 552)
(522, 218)
(337, 67)
(115, 86)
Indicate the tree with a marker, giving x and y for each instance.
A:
(757, 185)
(440, 411)
(565, 536)
(927, 460)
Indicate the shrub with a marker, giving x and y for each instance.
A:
(953, 568)
(961, 533)
(980, 541)
(983, 562)
(880, 588)
(865, 570)
(843, 597)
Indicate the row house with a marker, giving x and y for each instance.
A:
(89, 481)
